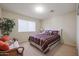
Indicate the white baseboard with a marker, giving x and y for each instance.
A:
(70, 44)
(22, 42)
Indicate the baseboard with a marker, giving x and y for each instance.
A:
(22, 42)
(70, 45)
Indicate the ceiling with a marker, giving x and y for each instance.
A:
(28, 9)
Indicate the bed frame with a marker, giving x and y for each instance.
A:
(53, 44)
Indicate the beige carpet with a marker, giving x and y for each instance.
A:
(59, 50)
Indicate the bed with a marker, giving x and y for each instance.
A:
(43, 41)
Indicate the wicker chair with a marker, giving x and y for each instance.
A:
(13, 52)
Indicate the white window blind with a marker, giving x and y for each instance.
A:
(26, 26)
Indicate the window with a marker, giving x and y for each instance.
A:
(26, 26)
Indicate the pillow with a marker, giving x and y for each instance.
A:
(4, 46)
(14, 45)
(50, 32)
(54, 32)
(47, 32)
(5, 38)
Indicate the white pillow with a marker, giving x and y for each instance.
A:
(14, 45)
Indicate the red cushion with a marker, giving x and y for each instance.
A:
(4, 46)
(5, 38)
(1, 43)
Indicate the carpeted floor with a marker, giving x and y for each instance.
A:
(59, 50)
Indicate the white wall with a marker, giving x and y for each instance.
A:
(78, 33)
(21, 36)
(0, 12)
(67, 23)
(0, 16)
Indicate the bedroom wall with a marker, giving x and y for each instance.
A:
(67, 23)
(21, 36)
(0, 12)
(0, 16)
(78, 33)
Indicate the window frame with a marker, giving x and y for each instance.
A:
(26, 21)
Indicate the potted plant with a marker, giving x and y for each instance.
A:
(6, 26)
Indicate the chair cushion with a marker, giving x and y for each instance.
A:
(1, 43)
(5, 38)
(4, 46)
